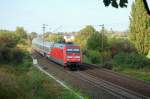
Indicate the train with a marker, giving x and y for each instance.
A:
(66, 54)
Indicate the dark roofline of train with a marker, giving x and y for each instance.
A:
(67, 43)
(60, 42)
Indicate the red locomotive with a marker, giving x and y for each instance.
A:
(66, 54)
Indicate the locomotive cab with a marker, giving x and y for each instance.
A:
(73, 56)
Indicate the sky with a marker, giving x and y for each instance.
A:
(69, 15)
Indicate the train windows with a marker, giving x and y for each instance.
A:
(69, 51)
(76, 50)
(73, 51)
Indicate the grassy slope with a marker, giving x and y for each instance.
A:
(23, 81)
(16, 83)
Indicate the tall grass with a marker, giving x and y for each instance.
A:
(32, 84)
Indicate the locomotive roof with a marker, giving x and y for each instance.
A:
(61, 45)
(49, 44)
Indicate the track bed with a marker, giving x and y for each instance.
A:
(97, 83)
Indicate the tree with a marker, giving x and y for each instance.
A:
(54, 38)
(88, 30)
(83, 35)
(31, 36)
(46, 35)
(8, 50)
(123, 3)
(114, 3)
(21, 33)
(94, 41)
(140, 27)
(7, 39)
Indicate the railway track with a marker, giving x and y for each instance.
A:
(95, 79)
(138, 87)
(114, 89)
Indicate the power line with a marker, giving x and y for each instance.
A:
(57, 28)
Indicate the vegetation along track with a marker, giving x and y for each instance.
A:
(87, 81)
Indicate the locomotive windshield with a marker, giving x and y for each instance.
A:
(73, 51)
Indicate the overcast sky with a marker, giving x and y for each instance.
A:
(72, 15)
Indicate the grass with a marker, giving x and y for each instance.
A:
(140, 74)
(77, 90)
(15, 83)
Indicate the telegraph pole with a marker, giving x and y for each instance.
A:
(44, 27)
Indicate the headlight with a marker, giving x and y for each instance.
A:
(69, 56)
(77, 57)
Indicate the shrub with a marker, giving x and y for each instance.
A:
(8, 50)
(86, 59)
(24, 65)
(94, 42)
(131, 60)
(107, 65)
(107, 55)
(11, 55)
(94, 56)
(120, 45)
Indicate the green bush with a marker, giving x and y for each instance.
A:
(94, 42)
(86, 59)
(24, 65)
(117, 45)
(94, 56)
(131, 60)
(11, 55)
(8, 50)
(107, 65)
(106, 54)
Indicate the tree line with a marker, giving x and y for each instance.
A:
(131, 50)
(12, 44)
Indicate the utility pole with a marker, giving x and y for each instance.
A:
(44, 27)
(102, 42)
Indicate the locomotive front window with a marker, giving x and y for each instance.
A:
(69, 51)
(76, 51)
